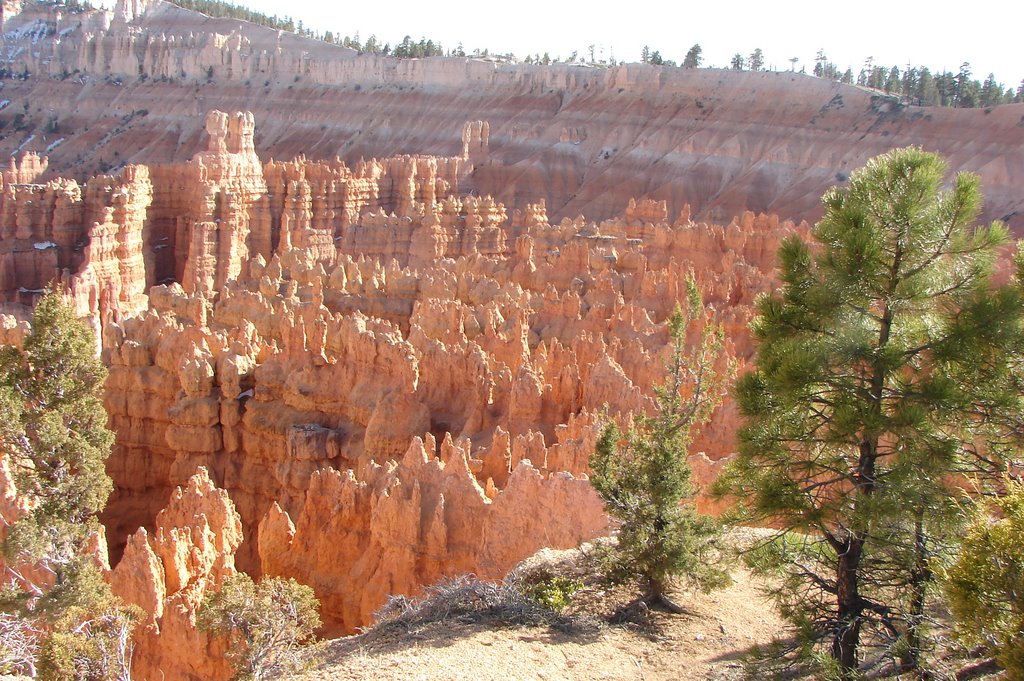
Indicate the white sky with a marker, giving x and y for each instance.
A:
(938, 34)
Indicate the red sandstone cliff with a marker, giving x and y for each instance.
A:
(373, 334)
(130, 86)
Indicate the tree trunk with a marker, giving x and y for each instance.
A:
(846, 638)
(850, 607)
(920, 575)
(656, 595)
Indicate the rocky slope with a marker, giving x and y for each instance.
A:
(130, 86)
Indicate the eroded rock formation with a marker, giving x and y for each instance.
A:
(394, 381)
(87, 239)
(395, 527)
(167, 573)
(491, 341)
(396, 365)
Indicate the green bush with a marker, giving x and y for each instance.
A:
(985, 585)
(554, 592)
(270, 623)
(91, 647)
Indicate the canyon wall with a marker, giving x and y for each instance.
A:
(434, 361)
(102, 90)
(393, 380)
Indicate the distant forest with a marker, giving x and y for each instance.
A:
(74, 6)
(914, 84)
(918, 85)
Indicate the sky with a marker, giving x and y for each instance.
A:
(938, 34)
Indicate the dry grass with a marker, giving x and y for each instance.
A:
(467, 600)
(466, 629)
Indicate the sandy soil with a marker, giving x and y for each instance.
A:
(706, 642)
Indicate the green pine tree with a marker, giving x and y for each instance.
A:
(693, 57)
(643, 476)
(54, 437)
(54, 433)
(884, 363)
(756, 60)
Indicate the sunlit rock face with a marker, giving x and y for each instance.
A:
(371, 350)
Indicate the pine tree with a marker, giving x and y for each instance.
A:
(876, 78)
(693, 57)
(909, 81)
(756, 60)
(927, 90)
(643, 476)
(54, 437)
(991, 92)
(892, 81)
(882, 362)
(54, 433)
(962, 82)
(819, 63)
(865, 73)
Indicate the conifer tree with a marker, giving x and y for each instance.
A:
(884, 363)
(693, 57)
(756, 60)
(54, 434)
(54, 438)
(643, 476)
(991, 92)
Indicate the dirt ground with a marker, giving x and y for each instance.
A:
(705, 642)
(605, 633)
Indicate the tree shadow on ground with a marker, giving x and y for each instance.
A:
(460, 608)
(762, 663)
(396, 638)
